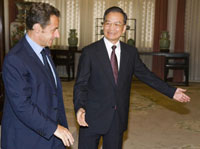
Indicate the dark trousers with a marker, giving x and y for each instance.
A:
(111, 140)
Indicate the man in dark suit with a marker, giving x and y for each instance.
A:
(102, 88)
(34, 115)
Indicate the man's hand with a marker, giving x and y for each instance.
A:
(64, 134)
(181, 96)
(81, 117)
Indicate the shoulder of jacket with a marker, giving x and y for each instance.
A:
(129, 48)
(91, 47)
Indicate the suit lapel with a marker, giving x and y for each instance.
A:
(123, 63)
(103, 57)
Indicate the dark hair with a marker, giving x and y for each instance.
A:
(40, 13)
(115, 9)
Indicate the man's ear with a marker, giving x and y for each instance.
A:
(124, 29)
(37, 28)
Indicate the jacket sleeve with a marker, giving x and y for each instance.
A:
(149, 78)
(81, 84)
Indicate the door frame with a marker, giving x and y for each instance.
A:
(2, 54)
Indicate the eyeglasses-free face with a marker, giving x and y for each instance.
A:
(114, 26)
(50, 32)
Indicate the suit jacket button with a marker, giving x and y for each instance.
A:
(114, 107)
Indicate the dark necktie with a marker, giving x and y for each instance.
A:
(114, 63)
(46, 65)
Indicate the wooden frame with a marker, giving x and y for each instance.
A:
(2, 53)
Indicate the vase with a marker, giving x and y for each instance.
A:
(18, 26)
(164, 41)
(73, 40)
(131, 42)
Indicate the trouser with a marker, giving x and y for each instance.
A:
(111, 140)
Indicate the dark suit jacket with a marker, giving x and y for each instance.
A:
(33, 105)
(95, 88)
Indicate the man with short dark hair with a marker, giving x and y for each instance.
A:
(34, 115)
(102, 88)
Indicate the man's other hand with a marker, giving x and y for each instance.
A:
(80, 115)
(64, 134)
(181, 96)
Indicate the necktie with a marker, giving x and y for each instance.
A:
(114, 64)
(46, 65)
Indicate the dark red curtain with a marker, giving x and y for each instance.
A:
(179, 37)
(160, 25)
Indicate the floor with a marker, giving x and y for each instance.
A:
(155, 121)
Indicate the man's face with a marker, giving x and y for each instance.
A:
(114, 26)
(50, 32)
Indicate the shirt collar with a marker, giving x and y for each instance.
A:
(36, 47)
